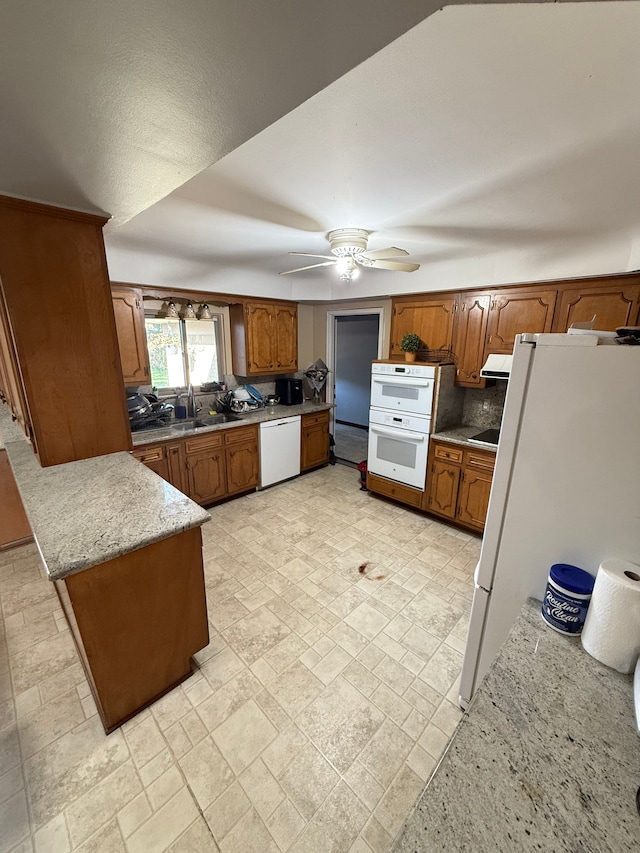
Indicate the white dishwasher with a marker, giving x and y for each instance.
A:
(279, 450)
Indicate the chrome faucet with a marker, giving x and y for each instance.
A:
(192, 408)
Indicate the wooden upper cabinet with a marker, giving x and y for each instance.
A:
(516, 311)
(286, 338)
(469, 339)
(260, 339)
(429, 318)
(614, 304)
(59, 314)
(128, 311)
(264, 338)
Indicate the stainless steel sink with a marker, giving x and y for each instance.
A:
(199, 423)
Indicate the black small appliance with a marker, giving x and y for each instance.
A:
(289, 391)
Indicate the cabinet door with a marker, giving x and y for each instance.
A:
(431, 320)
(613, 305)
(176, 463)
(469, 339)
(443, 488)
(205, 476)
(314, 449)
(260, 334)
(129, 313)
(242, 466)
(473, 499)
(155, 458)
(285, 325)
(515, 312)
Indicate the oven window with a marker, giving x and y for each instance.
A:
(401, 392)
(396, 451)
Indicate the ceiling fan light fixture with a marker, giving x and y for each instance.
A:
(347, 269)
(346, 242)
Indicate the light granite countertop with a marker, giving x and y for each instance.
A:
(461, 435)
(85, 513)
(546, 759)
(271, 413)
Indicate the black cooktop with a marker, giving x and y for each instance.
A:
(487, 436)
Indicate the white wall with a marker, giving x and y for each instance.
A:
(356, 348)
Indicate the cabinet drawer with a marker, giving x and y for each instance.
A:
(480, 461)
(208, 441)
(240, 434)
(397, 491)
(448, 452)
(319, 418)
(149, 454)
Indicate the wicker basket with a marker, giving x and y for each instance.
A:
(436, 356)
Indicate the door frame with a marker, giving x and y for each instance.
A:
(332, 322)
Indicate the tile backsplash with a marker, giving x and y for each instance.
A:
(483, 407)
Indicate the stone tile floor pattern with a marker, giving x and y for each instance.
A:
(318, 712)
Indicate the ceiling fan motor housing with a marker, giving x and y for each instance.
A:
(348, 241)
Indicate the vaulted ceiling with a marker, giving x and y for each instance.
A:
(495, 143)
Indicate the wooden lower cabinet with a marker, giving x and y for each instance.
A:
(444, 479)
(242, 466)
(206, 476)
(459, 483)
(396, 491)
(137, 620)
(14, 525)
(207, 467)
(314, 444)
(154, 457)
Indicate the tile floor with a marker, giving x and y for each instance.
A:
(351, 442)
(319, 710)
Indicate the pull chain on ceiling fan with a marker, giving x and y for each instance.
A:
(349, 251)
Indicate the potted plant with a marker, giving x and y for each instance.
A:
(410, 344)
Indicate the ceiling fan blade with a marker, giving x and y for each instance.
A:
(313, 266)
(309, 255)
(398, 266)
(380, 254)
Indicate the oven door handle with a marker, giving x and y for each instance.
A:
(399, 433)
(405, 380)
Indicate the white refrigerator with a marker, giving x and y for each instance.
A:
(566, 485)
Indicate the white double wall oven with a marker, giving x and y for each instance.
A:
(400, 421)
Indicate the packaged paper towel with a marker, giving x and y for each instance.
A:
(611, 632)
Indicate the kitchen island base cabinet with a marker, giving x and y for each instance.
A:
(137, 620)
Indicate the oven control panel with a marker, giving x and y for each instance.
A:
(410, 369)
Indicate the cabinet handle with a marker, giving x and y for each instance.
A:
(271, 364)
(174, 449)
(146, 370)
(279, 364)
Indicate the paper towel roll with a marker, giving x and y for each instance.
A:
(611, 631)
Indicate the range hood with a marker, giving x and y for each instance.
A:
(497, 366)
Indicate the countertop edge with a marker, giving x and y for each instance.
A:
(141, 438)
(78, 511)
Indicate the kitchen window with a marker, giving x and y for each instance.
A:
(183, 352)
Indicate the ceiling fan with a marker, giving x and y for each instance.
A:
(349, 250)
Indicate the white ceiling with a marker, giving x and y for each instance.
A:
(496, 143)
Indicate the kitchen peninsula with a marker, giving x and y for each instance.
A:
(546, 758)
(124, 551)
